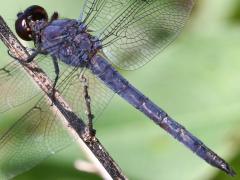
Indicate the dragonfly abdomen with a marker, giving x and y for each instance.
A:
(121, 86)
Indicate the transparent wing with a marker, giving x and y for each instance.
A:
(15, 86)
(136, 30)
(72, 89)
(34, 137)
(39, 133)
(98, 13)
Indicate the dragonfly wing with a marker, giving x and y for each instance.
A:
(139, 29)
(39, 133)
(15, 86)
(72, 89)
(97, 13)
(34, 137)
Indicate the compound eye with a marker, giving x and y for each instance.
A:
(33, 13)
(36, 13)
(23, 30)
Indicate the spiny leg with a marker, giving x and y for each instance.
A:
(57, 71)
(91, 132)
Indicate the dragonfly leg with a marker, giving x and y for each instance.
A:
(29, 59)
(90, 131)
(57, 71)
(32, 56)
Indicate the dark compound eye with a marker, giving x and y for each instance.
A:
(33, 13)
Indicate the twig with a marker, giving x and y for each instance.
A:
(76, 127)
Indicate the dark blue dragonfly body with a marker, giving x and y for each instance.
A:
(75, 47)
(126, 33)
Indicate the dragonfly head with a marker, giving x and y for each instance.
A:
(24, 20)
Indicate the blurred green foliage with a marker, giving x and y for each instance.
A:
(196, 80)
(235, 15)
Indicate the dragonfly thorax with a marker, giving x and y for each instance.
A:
(69, 41)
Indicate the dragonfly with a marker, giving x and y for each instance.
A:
(84, 54)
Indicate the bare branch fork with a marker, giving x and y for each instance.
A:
(76, 127)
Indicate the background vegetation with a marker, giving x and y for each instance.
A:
(196, 80)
